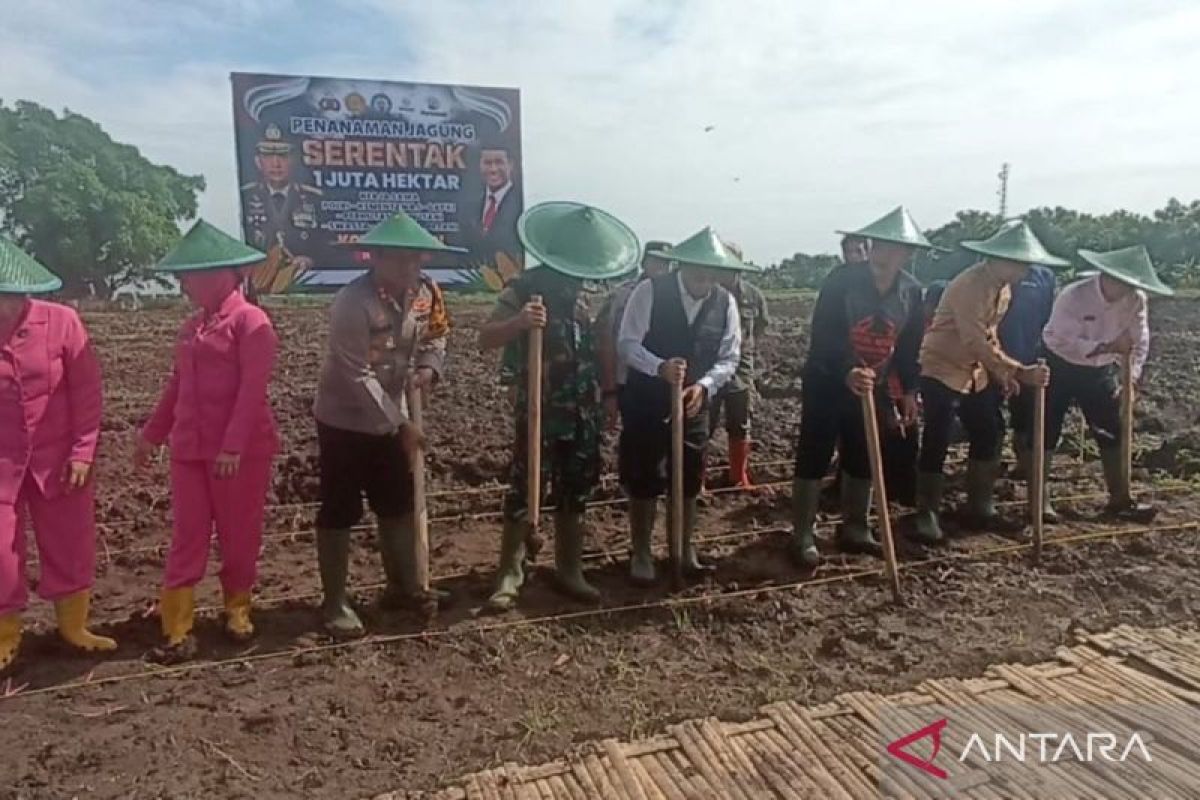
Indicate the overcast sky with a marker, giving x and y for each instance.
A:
(826, 114)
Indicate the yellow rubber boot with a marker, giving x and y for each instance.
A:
(237, 616)
(72, 613)
(10, 639)
(178, 608)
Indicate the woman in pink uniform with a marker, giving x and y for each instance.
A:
(50, 405)
(215, 415)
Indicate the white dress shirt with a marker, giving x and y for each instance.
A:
(1083, 319)
(499, 194)
(635, 324)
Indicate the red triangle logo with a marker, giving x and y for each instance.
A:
(932, 731)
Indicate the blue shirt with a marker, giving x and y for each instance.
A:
(1032, 301)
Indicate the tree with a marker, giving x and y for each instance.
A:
(93, 210)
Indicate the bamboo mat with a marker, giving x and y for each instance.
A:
(833, 751)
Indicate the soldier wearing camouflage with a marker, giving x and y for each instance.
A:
(575, 244)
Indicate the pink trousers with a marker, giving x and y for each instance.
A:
(233, 507)
(65, 530)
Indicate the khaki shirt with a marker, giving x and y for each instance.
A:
(961, 346)
(374, 342)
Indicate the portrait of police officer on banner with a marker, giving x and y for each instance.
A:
(279, 211)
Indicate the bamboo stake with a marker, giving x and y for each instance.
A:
(533, 445)
(705, 761)
(584, 778)
(658, 776)
(676, 532)
(616, 758)
(689, 785)
(875, 451)
(641, 774)
(1127, 401)
(420, 554)
(1037, 481)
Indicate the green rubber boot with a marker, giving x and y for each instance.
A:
(333, 560)
(980, 511)
(568, 558)
(397, 543)
(511, 574)
(854, 534)
(802, 547)
(927, 528)
(641, 531)
(1120, 497)
(1025, 468)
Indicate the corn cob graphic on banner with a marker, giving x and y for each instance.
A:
(278, 273)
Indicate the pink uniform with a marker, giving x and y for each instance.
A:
(216, 402)
(50, 406)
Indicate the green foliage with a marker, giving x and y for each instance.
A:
(1171, 234)
(801, 271)
(93, 210)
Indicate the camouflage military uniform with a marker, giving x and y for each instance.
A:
(572, 414)
(735, 399)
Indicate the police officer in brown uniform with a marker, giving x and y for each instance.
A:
(279, 212)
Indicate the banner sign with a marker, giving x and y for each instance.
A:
(322, 160)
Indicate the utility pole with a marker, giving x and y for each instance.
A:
(1003, 191)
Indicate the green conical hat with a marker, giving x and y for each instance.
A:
(579, 241)
(1016, 243)
(402, 232)
(20, 273)
(705, 249)
(896, 226)
(206, 247)
(1131, 265)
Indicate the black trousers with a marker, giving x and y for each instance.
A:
(736, 405)
(644, 451)
(980, 415)
(831, 416)
(1020, 414)
(352, 464)
(900, 452)
(1094, 389)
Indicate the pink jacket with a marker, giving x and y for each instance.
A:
(216, 400)
(50, 399)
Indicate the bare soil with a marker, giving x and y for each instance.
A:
(287, 716)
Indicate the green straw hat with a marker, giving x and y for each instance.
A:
(579, 240)
(896, 226)
(206, 247)
(1016, 243)
(20, 273)
(402, 232)
(1131, 265)
(705, 249)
